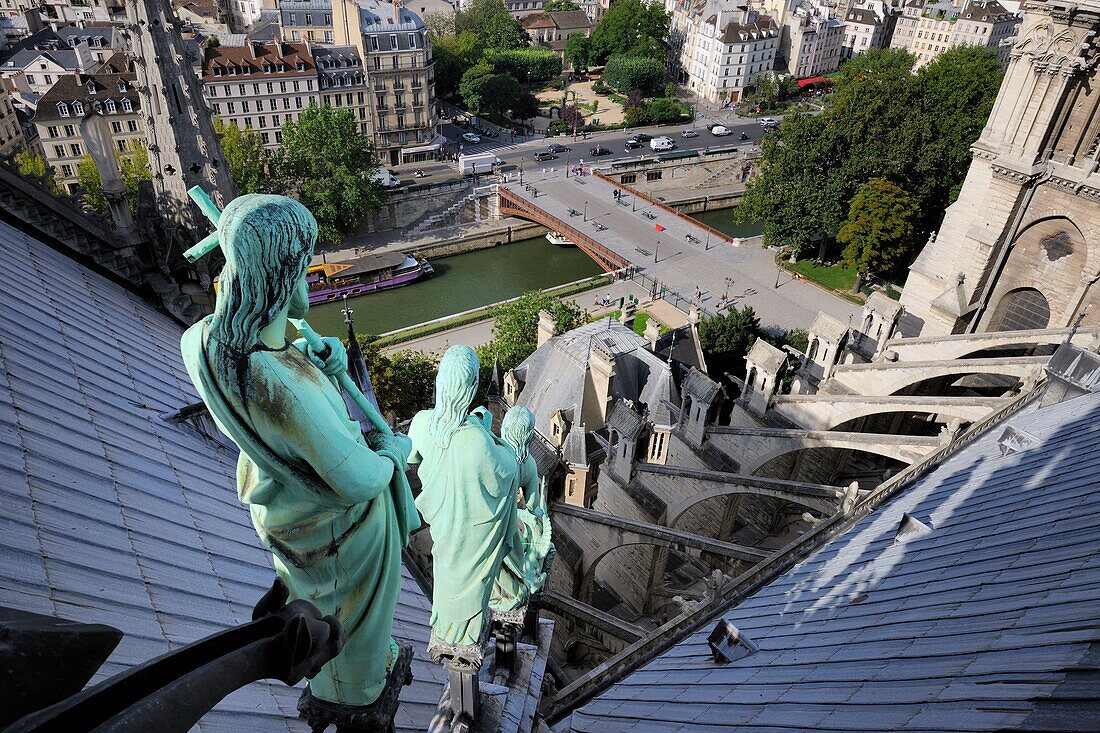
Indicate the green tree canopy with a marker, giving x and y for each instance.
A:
(664, 110)
(453, 55)
(404, 382)
(440, 24)
(329, 166)
(879, 232)
(499, 93)
(35, 166)
(578, 51)
(525, 64)
(91, 184)
(553, 6)
(882, 121)
(490, 21)
(525, 107)
(637, 27)
(515, 331)
(473, 83)
(626, 73)
(133, 168)
(726, 339)
(244, 154)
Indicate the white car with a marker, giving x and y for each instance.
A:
(689, 133)
(661, 144)
(768, 122)
(719, 131)
(471, 137)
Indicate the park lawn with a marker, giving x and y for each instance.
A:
(836, 278)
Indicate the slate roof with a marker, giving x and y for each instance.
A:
(111, 514)
(988, 622)
(79, 87)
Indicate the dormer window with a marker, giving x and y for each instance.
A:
(122, 86)
(111, 106)
(62, 109)
(127, 105)
(267, 68)
(78, 108)
(301, 66)
(91, 87)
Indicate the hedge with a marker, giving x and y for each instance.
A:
(525, 64)
(626, 73)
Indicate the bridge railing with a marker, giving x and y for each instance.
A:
(722, 236)
(582, 240)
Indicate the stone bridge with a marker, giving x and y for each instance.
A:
(599, 533)
(755, 447)
(826, 411)
(709, 484)
(956, 346)
(887, 378)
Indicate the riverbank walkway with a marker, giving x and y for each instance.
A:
(685, 256)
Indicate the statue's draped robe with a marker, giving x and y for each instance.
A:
(538, 546)
(334, 514)
(510, 590)
(469, 499)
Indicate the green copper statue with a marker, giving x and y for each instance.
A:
(469, 499)
(522, 571)
(334, 508)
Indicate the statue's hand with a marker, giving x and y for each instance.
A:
(398, 444)
(337, 360)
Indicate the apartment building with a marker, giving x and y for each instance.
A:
(109, 92)
(554, 28)
(905, 27)
(11, 132)
(869, 25)
(397, 57)
(260, 86)
(306, 20)
(943, 25)
(342, 83)
(811, 40)
(724, 45)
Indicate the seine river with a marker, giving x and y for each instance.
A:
(479, 278)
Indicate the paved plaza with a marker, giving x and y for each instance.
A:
(681, 254)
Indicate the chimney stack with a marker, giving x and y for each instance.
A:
(548, 327)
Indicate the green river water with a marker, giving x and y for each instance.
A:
(479, 278)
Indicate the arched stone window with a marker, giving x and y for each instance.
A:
(1021, 310)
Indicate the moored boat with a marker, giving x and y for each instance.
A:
(367, 274)
(558, 239)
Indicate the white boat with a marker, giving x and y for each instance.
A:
(555, 238)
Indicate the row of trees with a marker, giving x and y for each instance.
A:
(877, 168)
(634, 28)
(324, 162)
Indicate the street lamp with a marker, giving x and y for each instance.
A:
(585, 211)
(521, 171)
(656, 250)
(707, 245)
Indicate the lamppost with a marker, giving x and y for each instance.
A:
(656, 250)
(707, 245)
(585, 211)
(521, 171)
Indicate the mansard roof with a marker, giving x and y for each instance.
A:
(987, 622)
(116, 512)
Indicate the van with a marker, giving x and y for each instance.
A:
(478, 163)
(386, 178)
(543, 155)
(661, 144)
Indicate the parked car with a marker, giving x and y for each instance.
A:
(542, 155)
(599, 150)
(768, 122)
(641, 137)
(661, 144)
(471, 137)
(689, 133)
(632, 145)
(719, 131)
(557, 148)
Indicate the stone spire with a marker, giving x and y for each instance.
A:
(183, 150)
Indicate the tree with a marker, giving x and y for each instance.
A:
(91, 184)
(490, 21)
(329, 166)
(244, 154)
(637, 116)
(633, 27)
(554, 6)
(453, 55)
(515, 330)
(472, 84)
(133, 164)
(440, 25)
(626, 73)
(726, 339)
(572, 117)
(525, 64)
(525, 107)
(499, 92)
(766, 89)
(879, 232)
(664, 110)
(578, 51)
(403, 382)
(35, 166)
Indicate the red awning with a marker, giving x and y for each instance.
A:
(809, 80)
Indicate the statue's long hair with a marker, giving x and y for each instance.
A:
(455, 389)
(268, 243)
(516, 429)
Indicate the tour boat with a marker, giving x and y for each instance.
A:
(555, 238)
(370, 273)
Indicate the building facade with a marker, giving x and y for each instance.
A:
(812, 40)
(260, 86)
(342, 83)
(1020, 248)
(554, 29)
(727, 46)
(943, 25)
(867, 26)
(110, 93)
(306, 20)
(397, 57)
(11, 132)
